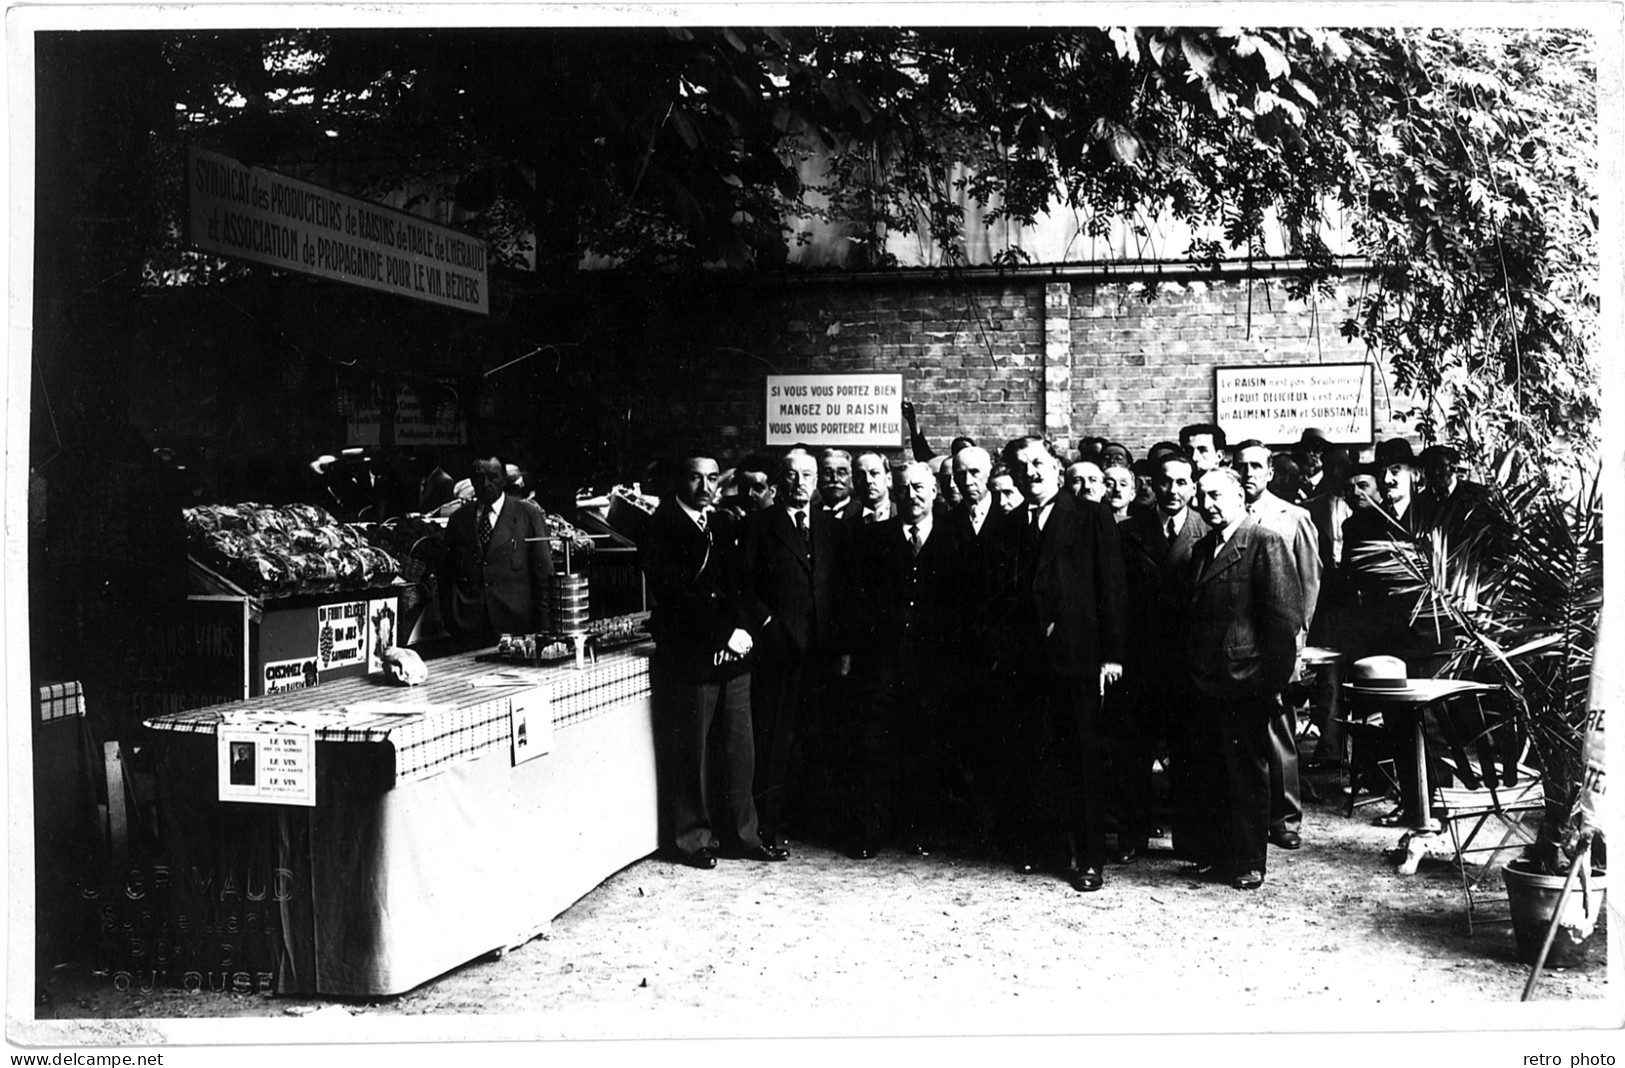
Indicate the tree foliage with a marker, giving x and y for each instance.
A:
(1462, 163)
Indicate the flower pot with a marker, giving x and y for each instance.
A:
(1533, 896)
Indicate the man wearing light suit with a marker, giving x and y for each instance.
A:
(1246, 612)
(1253, 462)
(1155, 698)
(791, 552)
(1058, 596)
(498, 568)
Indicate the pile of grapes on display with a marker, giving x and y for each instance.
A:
(274, 550)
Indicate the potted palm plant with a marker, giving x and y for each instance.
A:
(1521, 590)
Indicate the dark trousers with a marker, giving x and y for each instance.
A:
(689, 712)
(894, 749)
(1135, 718)
(1231, 787)
(778, 687)
(1062, 746)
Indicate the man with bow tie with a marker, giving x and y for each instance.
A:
(1155, 699)
(498, 569)
(1245, 613)
(702, 624)
(1058, 596)
(791, 552)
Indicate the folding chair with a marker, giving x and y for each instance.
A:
(1481, 786)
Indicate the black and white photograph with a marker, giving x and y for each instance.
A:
(1068, 530)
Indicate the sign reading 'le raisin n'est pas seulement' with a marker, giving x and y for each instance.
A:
(859, 409)
(1276, 404)
(255, 214)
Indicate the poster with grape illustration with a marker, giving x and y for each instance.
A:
(341, 634)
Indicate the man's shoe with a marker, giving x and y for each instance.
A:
(701, 858)
(1201, 869)
(1087, 879)
(762, 852)
(861, 852)
(1248, 880)
(920, 849)
(1286, 839)
(1125, 854)
(1026, 866)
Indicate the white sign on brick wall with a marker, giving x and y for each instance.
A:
(846, 410)
(1276, 404)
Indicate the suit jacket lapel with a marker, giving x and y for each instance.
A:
(1228, 554)
(785, 528)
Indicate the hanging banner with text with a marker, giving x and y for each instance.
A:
(1277, 404)
(255, 214)
(848, 410)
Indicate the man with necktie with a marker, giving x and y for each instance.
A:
(701, 673)
(1155, 698)
(903, 602)
(1253, 462)
(1246, 610)
(790, 560)
(498, 568)
(1059, 602)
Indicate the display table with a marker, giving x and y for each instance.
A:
(427, 846)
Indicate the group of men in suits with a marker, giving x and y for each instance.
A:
(909, 660)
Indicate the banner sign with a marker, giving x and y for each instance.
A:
(255, 214)
(1276, 404)
(845, 410)
(269, 765)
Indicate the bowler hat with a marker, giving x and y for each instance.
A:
(1313, 438)
(1394, 451)
(1382, 678)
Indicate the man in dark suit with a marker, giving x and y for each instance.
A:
(1156, 677)
(790, 556)
(1246, 610)
(498, 569)
(902, 608)
(1059, 596)
(871, 478)
(701, 624)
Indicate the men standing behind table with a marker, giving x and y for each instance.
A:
(790, 559)
(904, 599)
(1252, 461)
(702, 623)
(498, 569)
(1155, 700)
(1246, 612)
(1058, 589)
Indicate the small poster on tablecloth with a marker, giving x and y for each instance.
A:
(267, 764)
(530, 720)
(381, 635)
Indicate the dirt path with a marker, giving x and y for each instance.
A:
(904, 945)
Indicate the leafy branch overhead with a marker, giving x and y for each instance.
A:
(1462, 163)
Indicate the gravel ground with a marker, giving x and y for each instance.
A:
(903, 945)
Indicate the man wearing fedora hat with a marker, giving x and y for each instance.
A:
(1245, 616)
(1397, 621)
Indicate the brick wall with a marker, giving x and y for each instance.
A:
(973, 354)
